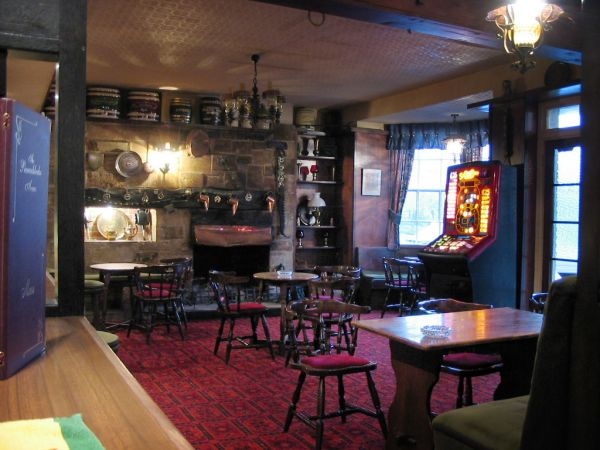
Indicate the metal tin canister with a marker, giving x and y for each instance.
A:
(180, 110)
(103, 102)
(211, 110)
(143, 105)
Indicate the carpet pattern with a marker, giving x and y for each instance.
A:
(243, 405)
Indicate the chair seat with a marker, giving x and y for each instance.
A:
(496, 424)
(154, 293)
(468, 360)
(247, 307)
(335, 361)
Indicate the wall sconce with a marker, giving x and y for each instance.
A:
(454, 141)
(523, 24)
(165, 158)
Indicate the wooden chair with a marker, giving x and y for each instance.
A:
(156, 298)
(333, 365)
(341, 286)
(465, 365)
(186, 264)
(226, 287)
(400, 283)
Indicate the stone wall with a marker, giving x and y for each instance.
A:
(233, 160)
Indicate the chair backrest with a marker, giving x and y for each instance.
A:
(343, 282)
(343, 311)
(187, 265)
(397, 273)
(444, 305)
(158, 282)
(537, 302)
(418, 278)
(226, 286)
(549, 410)
(347, 271)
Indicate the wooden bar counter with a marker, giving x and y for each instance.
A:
(80, 374)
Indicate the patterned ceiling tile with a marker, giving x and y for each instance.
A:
(205, 46)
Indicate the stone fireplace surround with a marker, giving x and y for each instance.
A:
(237, 164)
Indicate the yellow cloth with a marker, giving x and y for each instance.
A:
(63, 433)
(35, 434)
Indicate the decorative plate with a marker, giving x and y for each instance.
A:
(305, 217)
(129, 164)
(111, 224)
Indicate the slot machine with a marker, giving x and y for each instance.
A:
(475, 259)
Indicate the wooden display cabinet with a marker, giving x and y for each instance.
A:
(318, 230)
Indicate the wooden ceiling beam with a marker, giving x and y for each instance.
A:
(462, 21)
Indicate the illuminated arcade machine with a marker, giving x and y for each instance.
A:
(476, 257)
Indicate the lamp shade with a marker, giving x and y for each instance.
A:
(316, 201)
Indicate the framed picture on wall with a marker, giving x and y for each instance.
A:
(371, 182)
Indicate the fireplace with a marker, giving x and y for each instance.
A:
(224, 240)
(243, 259)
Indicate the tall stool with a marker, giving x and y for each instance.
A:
(96, 290)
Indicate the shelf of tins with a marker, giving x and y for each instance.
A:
(111, 103)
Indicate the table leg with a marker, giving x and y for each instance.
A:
(283, 299)
(517, 367)
(409, 417)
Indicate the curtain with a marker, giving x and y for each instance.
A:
(404, 139)
(402, 154)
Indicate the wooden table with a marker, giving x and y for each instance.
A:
(284, 282)
(107, 270)
(80, 374)
(416, 361)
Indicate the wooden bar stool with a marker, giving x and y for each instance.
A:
(96, 290)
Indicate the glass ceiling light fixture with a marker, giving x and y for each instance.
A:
(523, 24)
(454, 141)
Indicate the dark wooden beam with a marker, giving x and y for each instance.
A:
(70, 129)
(462, 21)
(28, 25)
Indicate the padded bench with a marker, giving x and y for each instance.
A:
(539, 420)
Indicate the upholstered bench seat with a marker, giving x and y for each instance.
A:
(494, 425)
(370, 280)
(543, 419)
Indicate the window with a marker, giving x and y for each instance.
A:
(105, 223)
(564, 248)
(423, 209)
(563, 117)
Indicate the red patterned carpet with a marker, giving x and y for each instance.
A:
(243, 405)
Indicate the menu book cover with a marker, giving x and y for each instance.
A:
(24, 166)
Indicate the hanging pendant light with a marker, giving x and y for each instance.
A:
(523, 24)
(454, 141)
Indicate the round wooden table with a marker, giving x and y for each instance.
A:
(107, 270)
(284, 282)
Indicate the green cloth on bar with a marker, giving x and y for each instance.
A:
(60, 433)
